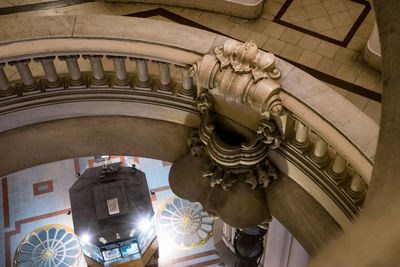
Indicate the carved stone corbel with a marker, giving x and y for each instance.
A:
(243, 75)
(227, 167)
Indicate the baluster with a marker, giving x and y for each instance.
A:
(99, 79)
(143, 81)
(187, 89)
(75, 76)
(338, 169)
(29, 85)
(320, 153)
(357, 188)
(121, 77)
(165, 84)
(301, 140)
(5, 88)
(53, 81)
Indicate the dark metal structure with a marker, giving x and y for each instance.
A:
(109, 205)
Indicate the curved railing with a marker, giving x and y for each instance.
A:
(141, 68)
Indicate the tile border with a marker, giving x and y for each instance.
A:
(6, 205)
(346, 40)
(49, 189)
(77, 167)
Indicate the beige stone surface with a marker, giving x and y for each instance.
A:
(291, 52)
(274, 45)
(328, 66)
(145, 29)
(326, 49)
(36, 27)
(309, 59)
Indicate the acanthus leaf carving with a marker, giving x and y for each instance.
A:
(245, 58)
(268, 134)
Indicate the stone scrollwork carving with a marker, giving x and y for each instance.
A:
(225, 146)
(242, 74)
(268, 134)
(245, 58)
(227, 167)
(260, 174)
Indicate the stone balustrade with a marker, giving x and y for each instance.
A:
(119, 78)
(329, 142)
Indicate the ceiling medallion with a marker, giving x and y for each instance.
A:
(51, 245)
(183, 223)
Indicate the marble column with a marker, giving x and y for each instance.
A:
(320, 153)
(28, 82)
(121, 76)
(338, 169)
(187, 89)
(301, 139)
(165, 84)
(98, 76)
(75, 76)
(53, 80)
(143, 80)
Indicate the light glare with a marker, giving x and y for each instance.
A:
(144, 224)
(85, 238)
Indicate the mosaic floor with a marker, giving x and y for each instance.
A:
(331, 18)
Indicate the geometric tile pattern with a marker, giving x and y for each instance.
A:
(333, 20)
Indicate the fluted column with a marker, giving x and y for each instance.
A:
(99, 78)
(75, 76)
(165, 84)
(5, 88)
(29, 84)
(53, 80)
(187, 89)
(121, 76)
(143, 80)
(320, 153)
(301, 139)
